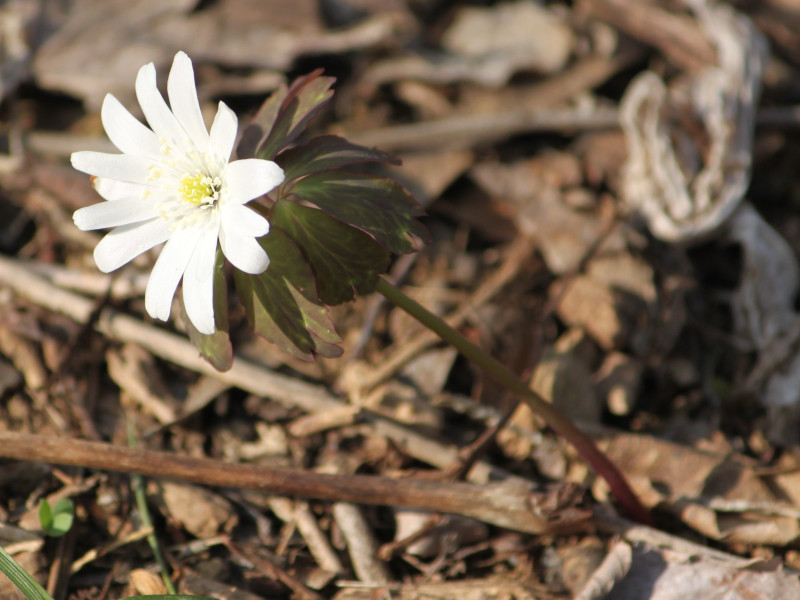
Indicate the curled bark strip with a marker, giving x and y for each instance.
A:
(690, 144)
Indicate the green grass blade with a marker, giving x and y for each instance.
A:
(21, 578)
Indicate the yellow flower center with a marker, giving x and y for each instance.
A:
(200, 189)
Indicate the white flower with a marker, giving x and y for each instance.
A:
(175, 184)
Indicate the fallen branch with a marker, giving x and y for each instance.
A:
(507, 504)
(22, 277)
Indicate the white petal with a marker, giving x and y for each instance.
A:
(182, 93)
(126, 132)
(223, 133)
(158, 114)
(122, 167)
(245, 253)
(168, 270)
(250, 178)
(113, 214)
(198, 284)
(113, 190)
(125, 243)
(238, 219)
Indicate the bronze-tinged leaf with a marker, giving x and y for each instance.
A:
(255, 133)
(378, 205)
(215, 348)
(344, 259)
(285, 115)
(282, 303)
(325, 153)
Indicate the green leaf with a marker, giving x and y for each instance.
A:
(215, 348)
(345, 260)
(45, 515)
(56, 521)
(285, 115)
(282, 303)
(327, 152)
(378, 205)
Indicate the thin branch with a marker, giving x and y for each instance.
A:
(506, 504)
(23, 278)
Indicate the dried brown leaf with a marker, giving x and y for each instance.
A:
(715, 494)
(201, 512)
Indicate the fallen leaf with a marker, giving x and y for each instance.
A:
(201, 512)
(658, 574)
(513, 35)
(712, 492)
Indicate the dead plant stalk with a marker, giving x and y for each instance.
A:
(510, 506)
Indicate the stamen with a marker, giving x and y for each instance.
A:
(200, 189)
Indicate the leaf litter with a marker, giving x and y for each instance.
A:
(645, 284)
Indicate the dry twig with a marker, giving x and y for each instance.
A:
(506, 504)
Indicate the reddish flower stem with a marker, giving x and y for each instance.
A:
(628, 501)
